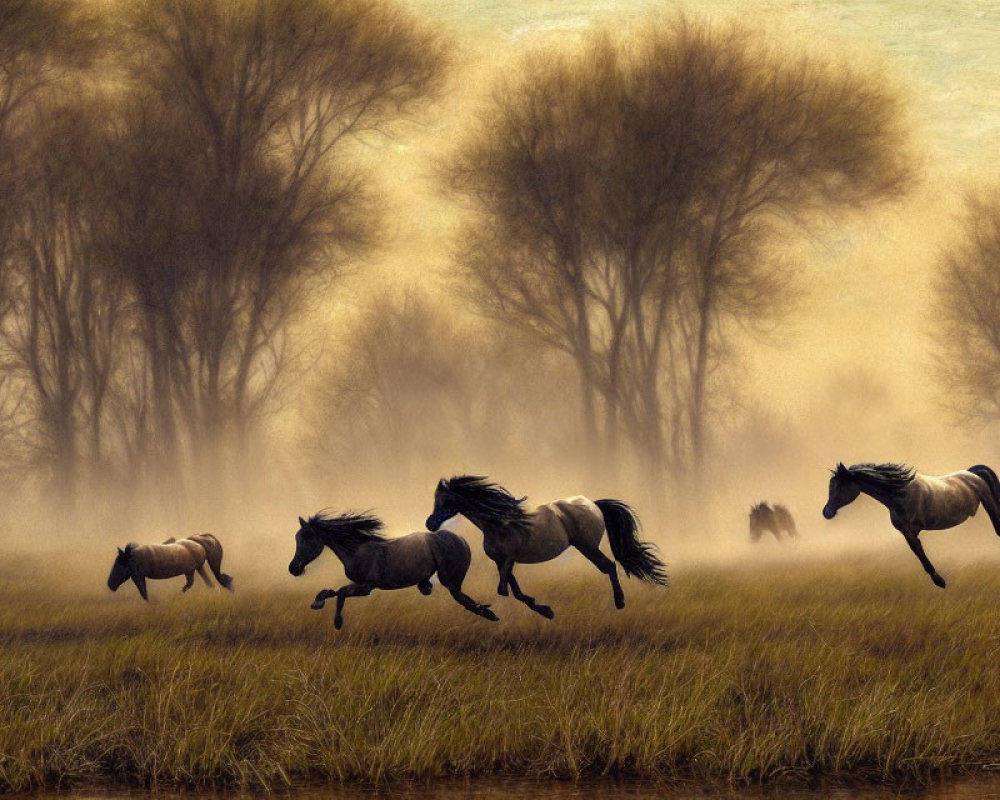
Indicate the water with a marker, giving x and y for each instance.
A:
(499, 789)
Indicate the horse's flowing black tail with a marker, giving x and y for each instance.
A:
(990, 477)
(636, 556)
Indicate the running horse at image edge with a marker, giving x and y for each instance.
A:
(371, 561)
(918, 502)
(776, 520)
(168, 560)
(514, 535)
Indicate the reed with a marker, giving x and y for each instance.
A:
(780, 674)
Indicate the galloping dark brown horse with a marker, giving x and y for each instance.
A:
(168, 560)
(371, 561)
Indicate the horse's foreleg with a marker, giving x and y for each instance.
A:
(190, 581)
(140, 584)
(913, 540)
(351, 590)
(504, 568)
(321, 597)
(544, 610)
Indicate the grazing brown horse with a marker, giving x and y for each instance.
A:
(918, 502)
(776, 520)
(373, 562)
(513, 535)
(168, 560)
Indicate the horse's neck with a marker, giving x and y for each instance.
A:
(341, 549)
(889, 499)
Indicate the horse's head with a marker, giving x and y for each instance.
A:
(444, 506)
(121, 570)
(844, 489)
(308, 546)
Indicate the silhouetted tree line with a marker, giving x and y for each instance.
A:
(179, 180)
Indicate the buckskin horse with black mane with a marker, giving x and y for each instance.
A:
(514, 535)
(371, 561)
(168, 560)
(918, 502)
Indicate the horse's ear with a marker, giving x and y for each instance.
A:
(442, 485)
(121, 552)
(302, 522)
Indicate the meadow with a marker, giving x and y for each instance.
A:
(827, 672)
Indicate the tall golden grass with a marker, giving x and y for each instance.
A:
(775, 674)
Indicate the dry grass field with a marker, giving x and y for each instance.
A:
(781, 674)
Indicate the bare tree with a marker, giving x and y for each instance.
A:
(70, 308)
(243, 121)
(44, 45)
(967, 312)
(626, 198)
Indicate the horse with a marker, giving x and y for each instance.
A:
(514, 535)
(168, 560)
(918, 502)
(776, 520)
(371, 561)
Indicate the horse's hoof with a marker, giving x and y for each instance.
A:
(545, 611)
(485, 612)
(502, 591)
(338, 623)
(619, 602)
(938, 580)
(317, 604)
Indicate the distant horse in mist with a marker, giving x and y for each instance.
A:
(513, 535)
(168, 560)
(776, 520)
(373, 562)
(918, 502)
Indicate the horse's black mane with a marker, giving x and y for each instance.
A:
(891, 479)
(477, 494)
(759, 508)
(352, 529)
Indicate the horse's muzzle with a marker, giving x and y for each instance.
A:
(829, 513)
(296, 569)
(432, 524)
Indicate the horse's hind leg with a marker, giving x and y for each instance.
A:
(453, 583)
(190, 581)
(482, 609)
(204, 575)
(609, 568)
